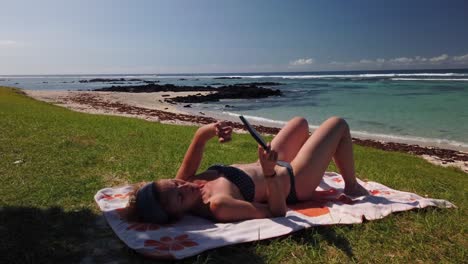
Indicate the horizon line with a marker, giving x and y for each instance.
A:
(244, 73)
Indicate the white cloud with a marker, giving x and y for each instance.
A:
(300, 62)
(365, 61)
(403, 60)
(461, 58)
(440, 58)
(420, 59)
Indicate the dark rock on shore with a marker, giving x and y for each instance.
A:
(101, 80)
(113, 80)
(223, 92)
(151, 88)
(228, 92)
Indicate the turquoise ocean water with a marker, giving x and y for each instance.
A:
(428, 107)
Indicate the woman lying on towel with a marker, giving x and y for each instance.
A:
(287, 174)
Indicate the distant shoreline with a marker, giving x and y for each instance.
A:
(152, 107)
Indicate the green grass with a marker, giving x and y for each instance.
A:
(52, 162)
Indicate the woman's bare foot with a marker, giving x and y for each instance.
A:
(356, 190)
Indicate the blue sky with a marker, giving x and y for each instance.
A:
(73, 37)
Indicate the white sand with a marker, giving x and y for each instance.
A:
(153, 101)
(145, 100)
(437, 161)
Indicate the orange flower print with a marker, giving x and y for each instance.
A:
(377, 192)
(167, 243)
(311, 208)
(318, 206)
(114, 196)
(338, 180)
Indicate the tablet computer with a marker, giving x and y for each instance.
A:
(254, 133)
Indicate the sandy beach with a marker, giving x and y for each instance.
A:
(148, 106)
(153, 107)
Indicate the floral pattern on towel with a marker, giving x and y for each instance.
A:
(378, 192)
(110, 197)
(311, 208)
(167, 243)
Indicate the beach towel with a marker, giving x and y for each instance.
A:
(192, 235)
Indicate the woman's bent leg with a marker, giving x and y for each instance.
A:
(291, 138)
(331, 140)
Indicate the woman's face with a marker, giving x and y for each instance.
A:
(178, 196)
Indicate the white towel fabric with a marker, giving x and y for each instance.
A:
(192, 235)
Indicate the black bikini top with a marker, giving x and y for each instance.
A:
(237, 176)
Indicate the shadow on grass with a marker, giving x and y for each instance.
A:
(30, 235)
(52, 235)
(327, 233)
(239, 253)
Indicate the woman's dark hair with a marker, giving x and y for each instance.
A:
(131, 214)
(145, 205)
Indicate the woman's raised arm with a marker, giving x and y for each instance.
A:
(194, 154)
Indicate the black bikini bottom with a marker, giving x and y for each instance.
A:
(292, 196)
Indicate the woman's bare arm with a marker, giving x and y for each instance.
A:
(194, 154)
(227, 209)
